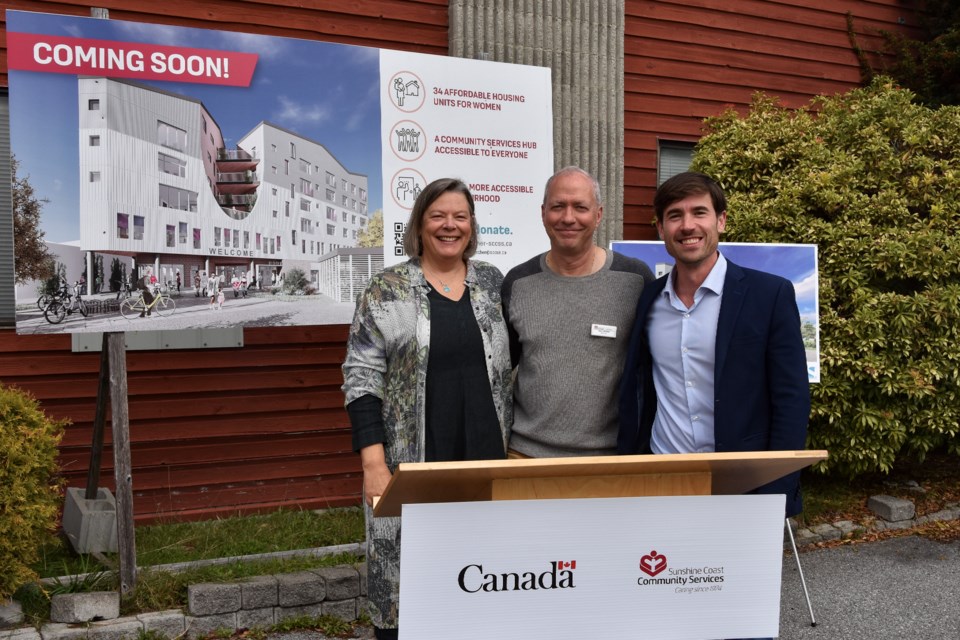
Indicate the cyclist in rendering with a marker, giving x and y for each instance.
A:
(144, 284)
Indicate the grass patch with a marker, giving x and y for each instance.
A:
(249, 535)
(173, 542)
(168, 543)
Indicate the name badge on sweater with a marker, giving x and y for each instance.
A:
(603, 331)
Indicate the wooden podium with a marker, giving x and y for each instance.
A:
(704, 561)
(590, 477)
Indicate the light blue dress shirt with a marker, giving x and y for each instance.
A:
(683, 345)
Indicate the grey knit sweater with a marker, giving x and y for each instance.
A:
(565, 392)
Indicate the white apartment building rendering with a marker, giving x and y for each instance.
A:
(158, 183)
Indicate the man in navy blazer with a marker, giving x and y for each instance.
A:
(716, 360)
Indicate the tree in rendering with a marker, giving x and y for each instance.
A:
(372, 234)
(33, 261)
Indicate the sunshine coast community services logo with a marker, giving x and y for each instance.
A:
(474, 579)
(688, 579)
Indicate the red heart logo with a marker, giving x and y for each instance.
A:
(653, 563)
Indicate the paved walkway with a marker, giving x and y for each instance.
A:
(897, 589)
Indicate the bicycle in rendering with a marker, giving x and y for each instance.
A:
(136, 306)
(65, 304)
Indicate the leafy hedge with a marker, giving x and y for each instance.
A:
(30, 490)
(873, 179)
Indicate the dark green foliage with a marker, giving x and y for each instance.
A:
(873, 179)
(929, 66)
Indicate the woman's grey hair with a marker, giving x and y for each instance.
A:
(412, 244)
(577, 170)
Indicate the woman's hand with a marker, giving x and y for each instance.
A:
(376, 475)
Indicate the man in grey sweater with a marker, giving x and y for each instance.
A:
(569, 314)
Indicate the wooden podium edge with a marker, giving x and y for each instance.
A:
(473, 480)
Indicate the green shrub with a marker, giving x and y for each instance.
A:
(874, 180)
(30, 489)
(296, 283)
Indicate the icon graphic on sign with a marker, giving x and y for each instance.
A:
(408, 140)
(406, 91)
(405, 186)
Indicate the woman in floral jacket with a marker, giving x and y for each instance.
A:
(427, 375)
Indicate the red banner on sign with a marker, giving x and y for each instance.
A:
(113, 59)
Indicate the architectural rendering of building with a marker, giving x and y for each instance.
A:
(158, 183)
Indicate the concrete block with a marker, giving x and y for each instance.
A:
(20, 633)
(170, 623)
(85, 607)
(60, 631)
(197, 626)
(314, 610)
(127, 628)
(343, 609)
(11, 613)
(296, 589)
(207, 599)
(259, 592)
(342, 583)
(827, 532)
(90, 525)
(891, 509)
(255, 618)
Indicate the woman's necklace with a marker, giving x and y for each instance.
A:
(443, 285)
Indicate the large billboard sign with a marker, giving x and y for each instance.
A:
(260, 176)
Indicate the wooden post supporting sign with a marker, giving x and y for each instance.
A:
(122, 468)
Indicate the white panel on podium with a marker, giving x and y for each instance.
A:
(682, 568)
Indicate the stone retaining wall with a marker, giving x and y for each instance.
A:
(891, 513)
(261, 601)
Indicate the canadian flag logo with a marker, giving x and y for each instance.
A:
(653, 563)
(564, 564)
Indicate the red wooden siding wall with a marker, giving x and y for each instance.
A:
(686, 60)
(216, 432)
